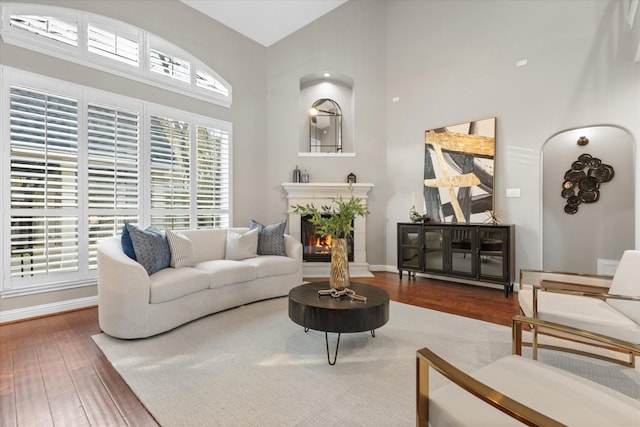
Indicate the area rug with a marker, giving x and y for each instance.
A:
(253, 366)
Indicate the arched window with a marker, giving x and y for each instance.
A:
(112, 46)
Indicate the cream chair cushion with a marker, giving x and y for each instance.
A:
(580, 312)
(558, 394)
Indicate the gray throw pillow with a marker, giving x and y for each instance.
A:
(270, 238)
(151, 248)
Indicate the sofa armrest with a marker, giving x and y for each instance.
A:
(293, 247)
(123, 289)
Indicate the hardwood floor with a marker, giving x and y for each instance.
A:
(52, 374)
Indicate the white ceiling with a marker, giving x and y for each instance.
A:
(264, 21)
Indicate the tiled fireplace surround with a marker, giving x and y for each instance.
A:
(320, 194)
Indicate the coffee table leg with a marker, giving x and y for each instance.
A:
(335, 355)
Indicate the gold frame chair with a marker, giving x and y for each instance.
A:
(584, 285)
(426, 359)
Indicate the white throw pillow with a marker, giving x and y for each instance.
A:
(181, 250)
(242, 246)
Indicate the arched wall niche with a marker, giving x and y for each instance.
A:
(337, 87)
(592, 239)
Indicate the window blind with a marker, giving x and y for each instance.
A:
(170, 172)
(213, 172)
(113, 139)
(44, 183)
(113, 45)
(50, 27)
(170, 66)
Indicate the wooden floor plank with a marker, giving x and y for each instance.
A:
(67, 410)
(97, 403)
(52, 371)
(7, 410)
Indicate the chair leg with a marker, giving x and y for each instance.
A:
(516, 338)
(534, 342)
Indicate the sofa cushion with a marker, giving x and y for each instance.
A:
(181, 250)
(241, 245)
(270, 238)
(226, 272)
(151, 248)
(172, 283)
(272, 265)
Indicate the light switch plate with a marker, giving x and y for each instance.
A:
(513, 192)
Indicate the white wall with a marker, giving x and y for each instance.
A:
(455, 61)
(351, 40)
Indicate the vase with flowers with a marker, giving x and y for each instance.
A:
(336, 220)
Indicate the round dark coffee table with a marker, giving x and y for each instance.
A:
(338, 315)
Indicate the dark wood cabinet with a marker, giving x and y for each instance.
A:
(476, 252)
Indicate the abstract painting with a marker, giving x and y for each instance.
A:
(459, 171)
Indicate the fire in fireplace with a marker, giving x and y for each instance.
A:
(316, 248)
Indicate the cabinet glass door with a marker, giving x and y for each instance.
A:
(433, 249)
(462, 246)
(409, 247)
(492, 249)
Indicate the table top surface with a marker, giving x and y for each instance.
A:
(330, 314)
(307, 294)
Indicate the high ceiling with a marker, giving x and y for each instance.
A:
(264, 21)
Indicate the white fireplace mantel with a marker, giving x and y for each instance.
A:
(320, 194)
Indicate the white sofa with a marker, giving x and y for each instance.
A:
(134, 304)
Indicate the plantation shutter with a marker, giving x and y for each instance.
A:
(113, 174)
(208, 82)
(112, 45)
(170, 66)
(213, 169)
(43, 183)
(170, 173)
(49, 27)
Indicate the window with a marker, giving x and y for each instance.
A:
(44, 183)
(49, 27)
(112, 46)
(170, 172)
(113, 136)
(82, 162)
(170, 66)
(213, 190)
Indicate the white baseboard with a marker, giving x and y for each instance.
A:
(46, 309)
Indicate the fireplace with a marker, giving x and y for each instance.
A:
(321, 194)
(316, 248)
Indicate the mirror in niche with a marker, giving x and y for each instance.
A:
(325, 127)
(332, 95)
